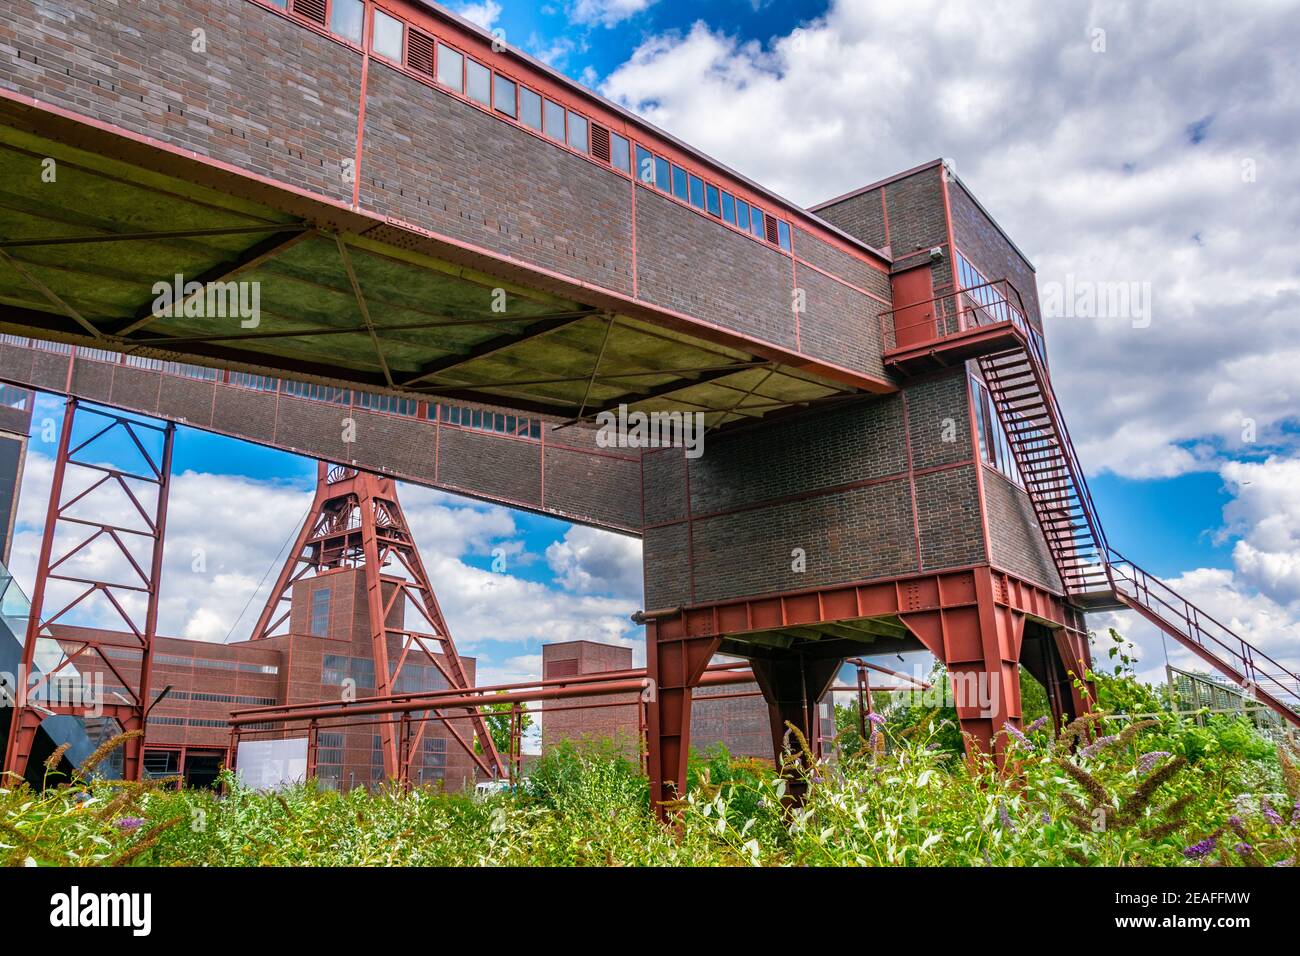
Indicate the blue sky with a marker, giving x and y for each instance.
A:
(1141, 142)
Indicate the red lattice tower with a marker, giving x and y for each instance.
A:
(356, 521)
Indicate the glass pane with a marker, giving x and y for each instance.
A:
(729, 208)
(478, 82)
(577, 131)
(619, 154)
(645, 165)
(530, 107)
(679, 182)
(742, 214)
(388, 36)
(555, 121)
(711, 201)
(503, 95)
(756, 222)
(346, 19)
(783, 235)
(451, 68)
(697, 192)
(662, 175)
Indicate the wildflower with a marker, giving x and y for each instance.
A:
(130, 823)
(1046, 818)
(876, 719)
(1037, 725)
(1148, 760)
(1244, 849)
(1007, 823)
(1016, 735)
(1097, 746)
(1289, 861)
(1270, 814)
(1200, 850)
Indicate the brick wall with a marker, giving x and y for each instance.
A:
(982, 242)
(835, 483)
(1015, 537)
(585, 484)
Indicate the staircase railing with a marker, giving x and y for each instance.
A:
(1245, 663)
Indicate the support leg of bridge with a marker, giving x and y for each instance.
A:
(675, 660)
(980, 646)
(793, 686)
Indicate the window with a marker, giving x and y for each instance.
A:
(478, 82)
(555, 121)
(756, 221)
(712, 201)
(742, 214)
(387, 40)
(619, 154)
(679, 182)
(645, 165)
(320, 613)
(451, 68)
(663, 175)
(729, 208)
(577, 132)
(503, 95)
(783, 235)
(346, 19)
(530, 108)
(697, 192)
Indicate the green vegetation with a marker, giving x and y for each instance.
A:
(1165, 791)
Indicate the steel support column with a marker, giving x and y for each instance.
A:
(675, 660)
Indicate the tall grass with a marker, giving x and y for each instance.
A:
(1163, 792)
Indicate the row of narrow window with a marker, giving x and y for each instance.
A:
(517, 426)
(404, 45)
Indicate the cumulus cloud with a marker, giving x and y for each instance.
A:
(606, 13)
(485, 14)
(595, 562)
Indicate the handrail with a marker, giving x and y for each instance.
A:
(1195, 623)
(989, 303)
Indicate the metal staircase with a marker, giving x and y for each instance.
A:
(1093, 575)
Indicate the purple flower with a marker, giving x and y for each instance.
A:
(1295, 812)
(1016, 735)
(1007, 822)
(1097, 746)
(130, 823)
(1037, 725)
(1270, 814)
(1046, 818)
(1148, 761)
(876, 719)
(1200, 850)
(1244, 849)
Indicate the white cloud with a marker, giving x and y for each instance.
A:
(606, 13)
(485, 14)
(596, 562)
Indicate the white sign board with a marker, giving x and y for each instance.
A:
(271, 764)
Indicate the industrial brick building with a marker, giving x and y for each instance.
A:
(886, 466)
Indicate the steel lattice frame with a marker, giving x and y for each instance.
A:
(355, 520)
(136, 645)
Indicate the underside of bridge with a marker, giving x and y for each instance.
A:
(342, 297)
